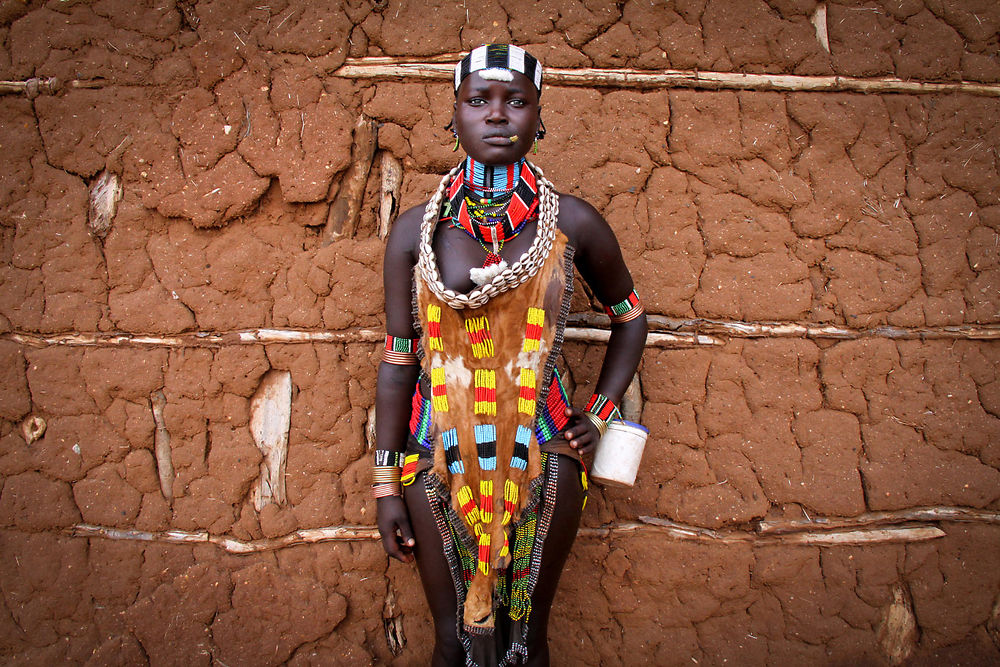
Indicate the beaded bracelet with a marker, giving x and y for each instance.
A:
(625, 310)
(400, 351)
(601, 410)
(385, 457)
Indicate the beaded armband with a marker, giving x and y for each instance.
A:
(626, 310)
(600, 410)
(400, 351)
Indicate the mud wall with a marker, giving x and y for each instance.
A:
(190, 328)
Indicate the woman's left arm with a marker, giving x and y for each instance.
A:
(599, 260)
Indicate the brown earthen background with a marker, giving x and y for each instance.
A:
(234, 137)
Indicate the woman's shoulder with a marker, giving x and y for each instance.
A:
(578, 219)
(405, 233)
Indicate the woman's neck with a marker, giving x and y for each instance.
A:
(485, 178)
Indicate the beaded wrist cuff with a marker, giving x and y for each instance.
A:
(626, 310)
(400, 351)
(602, 407)
(384, 457)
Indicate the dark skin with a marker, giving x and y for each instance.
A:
(487, 114)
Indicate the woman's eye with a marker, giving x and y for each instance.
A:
(477, 101)
(517, 103)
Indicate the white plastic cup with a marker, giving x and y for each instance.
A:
(616, 461)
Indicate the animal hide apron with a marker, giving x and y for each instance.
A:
(490, 368)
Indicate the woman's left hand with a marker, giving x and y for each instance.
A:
(581, 432)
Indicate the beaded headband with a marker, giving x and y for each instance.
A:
(496, 62)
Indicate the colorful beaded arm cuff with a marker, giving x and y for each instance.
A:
(626, 310)
(400, 351)
(600, 410)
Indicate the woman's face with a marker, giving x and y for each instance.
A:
(489, 113)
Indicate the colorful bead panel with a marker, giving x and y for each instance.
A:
(526, 399)
(552, 416)
(439, 393)
(626, 310)
(519, 459)
(533, 331)
(510, 495)
(468, 506)
(486, 392)
(601, 405)
(486, 446)
(434, 328)
(420, 419)
(478, 329)
(409, 469)
(451, 454)
(484, 553)
(486, 500)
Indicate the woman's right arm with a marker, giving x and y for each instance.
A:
(394, 389)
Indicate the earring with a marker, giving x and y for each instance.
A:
(455, 147)
(534, 147)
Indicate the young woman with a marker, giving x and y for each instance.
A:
(471, 414)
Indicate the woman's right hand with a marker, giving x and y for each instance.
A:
(394, 527)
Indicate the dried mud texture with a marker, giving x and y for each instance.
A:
(231, 138)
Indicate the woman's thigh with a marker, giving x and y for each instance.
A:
(435, 574)
(562, 533)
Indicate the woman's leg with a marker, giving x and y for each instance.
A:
(435, 576)
(562, 532)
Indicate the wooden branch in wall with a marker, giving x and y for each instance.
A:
(345, 211)
(869, 519)
(36, 86)
(835, 531)
(382, 68)
(392, 182)
(737, 329)
(664, 332)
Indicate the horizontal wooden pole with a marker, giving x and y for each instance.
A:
(736, 329)
(285, 336)
(664, 332)
(835, 532)
(382, 68)
(869, 519)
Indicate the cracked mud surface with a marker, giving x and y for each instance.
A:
(231, 137)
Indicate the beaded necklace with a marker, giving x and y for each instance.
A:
(492, 204)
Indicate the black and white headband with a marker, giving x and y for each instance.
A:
(496, 62)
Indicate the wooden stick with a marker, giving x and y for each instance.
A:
(383, 68)
(161, 445)
(665, 332)
(738, 329)
(265, 336)
(392, 182)
(36, 86)
(304, 536)
(345, 211)
(860, 536)
(958, 514)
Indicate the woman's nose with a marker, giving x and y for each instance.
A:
(496, 113)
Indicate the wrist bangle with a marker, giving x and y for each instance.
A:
(385, 475)
(600, 424)
(386, 490)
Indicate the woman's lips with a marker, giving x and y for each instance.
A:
(500, 140)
